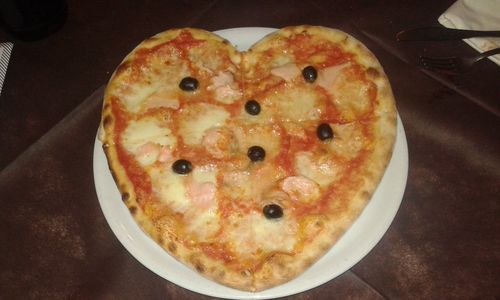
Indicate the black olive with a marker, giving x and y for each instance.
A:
(310, 74)
(182, 166)
(252, 107)
(324, 132)
(188, 84)
(272, 211)
(256, 153)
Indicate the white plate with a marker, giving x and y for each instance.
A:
(350, 249)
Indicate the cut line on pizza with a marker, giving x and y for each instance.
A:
(248, 166)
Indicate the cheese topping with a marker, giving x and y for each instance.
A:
(352, 97)
(198, 118)
(322, 169)
(171, 189)
(146, 138)
(157, 87)
(296, 104)
(348, 140)
(163, 97)
(264, 135)
(252, 233)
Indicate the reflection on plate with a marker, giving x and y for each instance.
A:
(350, 249)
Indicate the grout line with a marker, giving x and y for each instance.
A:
(368, 284)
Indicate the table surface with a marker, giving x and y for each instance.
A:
(55, 242)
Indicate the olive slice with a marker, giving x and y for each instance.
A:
(252, 107)
(182, 166)
(188, 84)
(272, 211)
(256, 153)
(310, 74)
(324, 132)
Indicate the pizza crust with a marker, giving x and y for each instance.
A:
(323, 229)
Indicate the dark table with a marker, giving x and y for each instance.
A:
(55, 242)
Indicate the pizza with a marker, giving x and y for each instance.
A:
(248, 166)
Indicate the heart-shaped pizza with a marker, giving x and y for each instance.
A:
(248, 166)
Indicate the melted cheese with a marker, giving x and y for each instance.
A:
(266, 136)
(161, 79)
(205, 174)
(238, 185)
(203, 225)
(320, 168)
(198, 118)
(352, 98)
(296, 104)
(171, 188)
(348, 140)
(163, 97)
(134, 96)
(193, 196)
(140, 138)
(252, 233)
(205, 58)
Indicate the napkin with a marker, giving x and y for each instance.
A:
(475, 15)
(5, 50)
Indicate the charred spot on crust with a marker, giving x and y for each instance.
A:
(122, 67)
(106, 122)
(199, 267)
(319, 223)
(221, 274)
(246, 273)
(125, 197)
(372, 73)
(172, 247)
(308, 262)
(151, 39)
(365, 195)
(133, 210)
(113, 174)
(325, 247)
(226, 42)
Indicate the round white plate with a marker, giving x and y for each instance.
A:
(350, 249)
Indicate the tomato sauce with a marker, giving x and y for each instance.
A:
(301, 47)
(135, 173)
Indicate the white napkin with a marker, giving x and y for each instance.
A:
(5, 50)
(475, 15)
